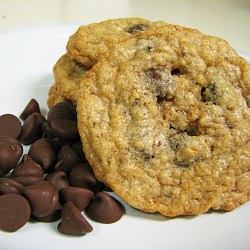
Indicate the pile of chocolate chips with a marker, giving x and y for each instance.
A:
(53, 181)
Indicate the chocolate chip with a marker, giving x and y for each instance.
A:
(175, 71)
(73, 222)
(59, 179)
(159, 80)
(209, 94)
(32, 128)
(105, 208)
(203, 96)
(27, 167)
(28, 180)
(10, 125)
(44, 153)
(15, 212)
(47, 131)
(77, 146)
(81, 197)
(8, 185)
(67, 159)
(56, 215)
(138, 27)
(43, 198)
(62, 110)
(65, 130)
(193, 129)
(10, 153)
(82, 176)
(32, 107)
(27, 172)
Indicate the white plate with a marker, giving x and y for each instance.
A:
(26, 61)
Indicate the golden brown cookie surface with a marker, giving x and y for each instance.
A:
(85, 47)
(90, 42)
(67, 74)
(164, 121)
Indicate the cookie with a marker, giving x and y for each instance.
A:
(90, 42)
(164, 119)
(82, 53)
(86, 47)
(67, 74)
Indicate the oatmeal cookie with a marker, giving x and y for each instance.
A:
(85, 47)
(90, 42)
(67, 74)
(164, 120)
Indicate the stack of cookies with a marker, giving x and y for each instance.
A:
(163, 114)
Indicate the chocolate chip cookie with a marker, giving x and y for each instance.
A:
(164, 119)
(85, 47)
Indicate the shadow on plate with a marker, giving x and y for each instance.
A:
(133, 212)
